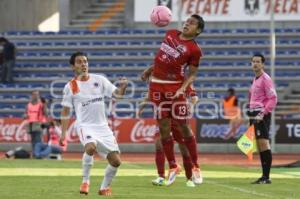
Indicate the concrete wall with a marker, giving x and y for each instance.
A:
(25, 14)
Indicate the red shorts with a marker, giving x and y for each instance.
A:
(166, 107)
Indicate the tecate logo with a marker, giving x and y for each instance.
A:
(142, 132)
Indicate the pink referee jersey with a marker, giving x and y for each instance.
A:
(262, 94)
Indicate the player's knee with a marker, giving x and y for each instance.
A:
(263, 144)
(114, 159)
(116, 163)
(186, 132)
(90, 149)
(158, 145)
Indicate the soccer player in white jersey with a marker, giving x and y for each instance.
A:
(86, 92)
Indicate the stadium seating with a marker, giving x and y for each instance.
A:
(43, 57)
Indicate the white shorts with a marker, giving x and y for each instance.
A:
(102, 137)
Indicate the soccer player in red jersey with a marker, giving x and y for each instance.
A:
(178, 52)
(191, 176)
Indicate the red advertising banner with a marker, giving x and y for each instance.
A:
(126, 130)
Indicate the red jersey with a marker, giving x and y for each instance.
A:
(174, 56)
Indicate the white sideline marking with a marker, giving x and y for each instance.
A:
(240, 189)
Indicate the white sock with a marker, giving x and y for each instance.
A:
(87, 163)
(110, 172)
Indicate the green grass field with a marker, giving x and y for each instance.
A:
(50, 179)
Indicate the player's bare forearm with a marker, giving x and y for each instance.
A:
(65, 116)
(120, 91)
(146, 73)
(190, 78)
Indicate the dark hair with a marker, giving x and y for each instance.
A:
(231, 91)
(201, 22)
(74, 55)
(2, 39)
(261, 56)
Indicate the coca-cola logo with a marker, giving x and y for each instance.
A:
(142, 132)
(16, 132)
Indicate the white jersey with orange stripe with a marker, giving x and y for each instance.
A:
(87, 98)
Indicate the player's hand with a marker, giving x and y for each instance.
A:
(259, 117)
(145, 75)
(62, 140)
(179, 92)
(194, 99)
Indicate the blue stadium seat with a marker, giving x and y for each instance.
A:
(283, 42)
(20, 106)
(20, 43)
(123, 43)
(234, 42)
(137, 32)
(22, 96)
(7, 106)
(282, 84)
(149, 32)
(100, 32)
(49, 33)
(74, 43)
(264, 30)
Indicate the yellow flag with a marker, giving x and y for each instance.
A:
(247, 142)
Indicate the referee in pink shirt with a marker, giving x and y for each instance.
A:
(263, 100)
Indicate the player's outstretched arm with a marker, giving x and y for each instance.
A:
(147, 73)
(120, 91)
(190, 78)
(65, 116)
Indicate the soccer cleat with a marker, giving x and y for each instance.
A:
(172, 174)
(190, 183)
(84, 188)
(262, 180)
(196, 176)
(159, 181)
(105, 192)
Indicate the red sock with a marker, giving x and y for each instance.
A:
(160, 162)
(190, 143)
(188, 165)
(168, 146)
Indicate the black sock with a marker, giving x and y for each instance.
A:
(266, 162)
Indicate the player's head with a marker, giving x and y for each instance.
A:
(193, 26)
(79, 63)
(35, 95)
(3, 40)
(257, 62)
(230, 92)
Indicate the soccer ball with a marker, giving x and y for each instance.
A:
(161, 16)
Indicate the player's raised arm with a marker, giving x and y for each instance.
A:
(147, 73)
(188, 81)
(120, 91)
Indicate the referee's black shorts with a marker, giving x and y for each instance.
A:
(262, 128)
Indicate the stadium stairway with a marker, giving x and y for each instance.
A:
(100, 14)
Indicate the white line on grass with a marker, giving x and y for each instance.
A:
(240, 189)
